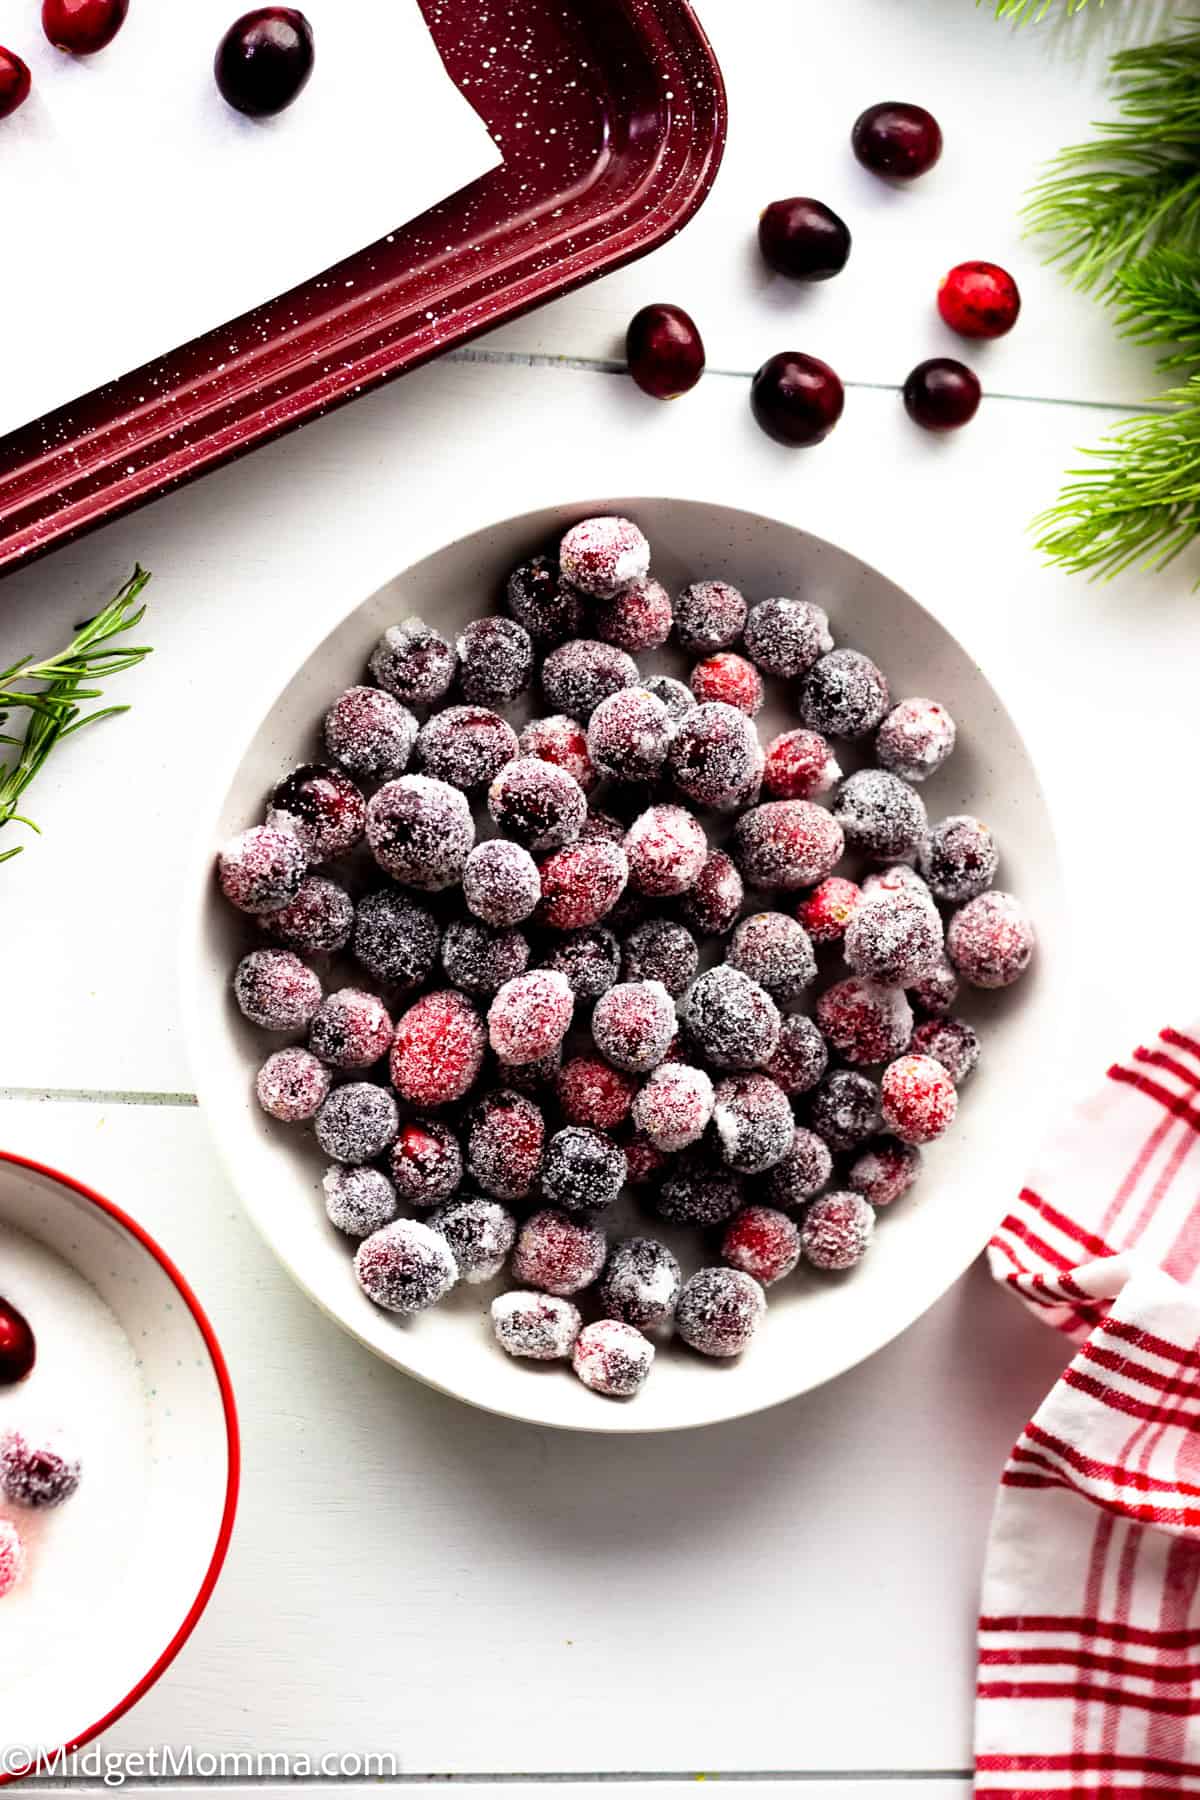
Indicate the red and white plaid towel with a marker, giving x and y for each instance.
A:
(1089, 1639)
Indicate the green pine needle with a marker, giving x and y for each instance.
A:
(1138, 184)
(55, 706)
(1138, 501)
(1033, 11)
(1158, 297)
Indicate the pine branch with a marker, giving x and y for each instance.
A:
(55, 707)
(1138, 501)
(1033, 11)
(1137, 185)
(1159, 303)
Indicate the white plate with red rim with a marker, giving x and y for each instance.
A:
(817, 1325)
(130, 1373)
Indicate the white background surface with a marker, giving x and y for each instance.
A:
(793, 1593)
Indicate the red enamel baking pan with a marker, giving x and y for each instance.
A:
(606, 155)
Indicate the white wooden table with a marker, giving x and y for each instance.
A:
(787, 1597)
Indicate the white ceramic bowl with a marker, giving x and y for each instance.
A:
(131, 1370)
(817, 1326)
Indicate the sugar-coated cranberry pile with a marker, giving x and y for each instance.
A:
(528, 975)
(39, 1470)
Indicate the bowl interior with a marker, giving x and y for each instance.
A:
(118, 1575)
(817, 1326)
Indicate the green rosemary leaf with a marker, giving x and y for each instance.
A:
(1158, 296)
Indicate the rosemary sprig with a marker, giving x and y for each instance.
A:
(55, 708)
(1137, 185)
(1158, 297)
(1138, 501)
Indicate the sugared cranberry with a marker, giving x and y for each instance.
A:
(260, 870)
(709, 615)
(370, 733)
(826, 912)
(716, 759)
(584, 1170)
(991, 940)
(39, 1472)
(915, 739)
(729, 679)
(83, 26)
(883, 1170)
(603, 555)
(959, 859)
(15, 83)
(580, 674)
(787, 844)
(466, 746)
(480, 1234)
(18, 1347)
(540, 600)
(719, 1311)
(785, 637)
(562, 741)
(327, 811)
(641, 1283)
(358, 1122)
(500, 882)
(836, 1231)
(291, 1085)
(803, 239)
(633, 1025)
(712, 905)
(275, 990)
(495, 661)
(844, 1109)
(629, 736)
(844, 695)
(800, 1057)
(592, 1093)
(800, 766)
(395, 939)
(530, 1016)
(414, 663)
(661, 950)
(918, 1099)
(638, 618)
(438, 1049)
(864, 1021)
(797, 399)
(698, 1191)
(941, 394)
(897, 139)
(950, 1041)
(263, 61)
(734, 1023)
(894, 937)
(674, 1107)
(420, 831)
(542, 1327)
(774, 950)
(645, 1162)
(406, 1267)
(479, 960)
(664, 350)
(427, 1162)
(761, 1242)
(612, 1358)
(752, 1123)
(979, 300)
(803, 1172)
(937, 990)
(318, 921)
(351, 1029)
(880, 815)
(358, 1199)
(666, 848)
(558, 1254)
(590, 959)
(581, 883)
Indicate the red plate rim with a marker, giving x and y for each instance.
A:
(233, 1443)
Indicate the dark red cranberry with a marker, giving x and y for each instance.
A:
(797, 399)
(979, 300)
(264, 60)
(83, 26)
(897, 140)
(942, 394)
(664, 350)
(803, 239)
(15, 82)
(18, 1350)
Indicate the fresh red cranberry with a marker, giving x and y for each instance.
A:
(897, 139)
(264, 60)
(15, 82)
(797, 399)
(664, 350)
(941, 394)
(979, 300)
(83, 26)
(18, 1349)
(803, 239)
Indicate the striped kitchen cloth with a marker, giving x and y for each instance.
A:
(1089, 1637)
